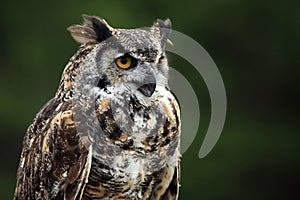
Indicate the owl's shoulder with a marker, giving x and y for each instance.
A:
(53, 161)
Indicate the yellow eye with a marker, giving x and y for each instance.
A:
(124, 62)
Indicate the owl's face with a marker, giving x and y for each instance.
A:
(133, 59)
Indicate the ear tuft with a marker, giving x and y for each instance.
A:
(93, 30)
(163, 28)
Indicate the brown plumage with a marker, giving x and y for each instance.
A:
(112, 130)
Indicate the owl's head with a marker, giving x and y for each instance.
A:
(132, 58)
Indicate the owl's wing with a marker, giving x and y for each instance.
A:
(172, 191)
(53, 164)
(167, 184)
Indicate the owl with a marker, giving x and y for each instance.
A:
(112, 130)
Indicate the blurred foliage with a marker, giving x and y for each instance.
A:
(255, 44)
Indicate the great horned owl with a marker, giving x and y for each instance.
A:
(112, 131)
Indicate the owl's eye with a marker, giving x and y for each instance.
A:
(126, 62)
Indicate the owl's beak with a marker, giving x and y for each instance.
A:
(147, 89)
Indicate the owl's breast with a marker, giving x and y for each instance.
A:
(130, 123)
(135, 142)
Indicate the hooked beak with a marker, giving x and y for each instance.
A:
(147, 89)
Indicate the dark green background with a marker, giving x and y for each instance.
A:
(255, 45)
